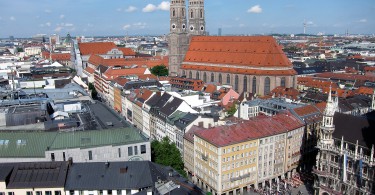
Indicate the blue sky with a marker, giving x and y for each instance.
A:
(24, 18)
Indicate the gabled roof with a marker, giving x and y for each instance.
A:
(127, 51)
(96, 47)
(112, 73)
(255, 128)
(258, 51)
(171, 106)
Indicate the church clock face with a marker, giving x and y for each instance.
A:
(191, 28)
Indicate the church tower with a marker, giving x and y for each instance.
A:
(373, 101)
(197, 24)
(328, 127)
(178, 37)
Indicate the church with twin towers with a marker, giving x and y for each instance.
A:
(254, 64)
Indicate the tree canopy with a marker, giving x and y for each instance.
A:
(159, 70)
(166, 153)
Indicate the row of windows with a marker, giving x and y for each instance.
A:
(267, 81)
(237, 148)
(36, 193)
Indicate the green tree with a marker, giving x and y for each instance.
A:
(232, 110)
(159, 70)
(166, 153)
(19, 49)
(94, 93)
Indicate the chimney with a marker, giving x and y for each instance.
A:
(70, 161)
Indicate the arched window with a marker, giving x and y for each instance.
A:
(190, 75)
(254, 87)
(282, 82)
(267, 83)
(245, 84)
(197, 75)
(191, 14)
(236, 83)
(183, 73)
(201, 14)
(228, 79)
(204, 77)
(220, 79)
(212, 77)
(173, 13)
(183, 12)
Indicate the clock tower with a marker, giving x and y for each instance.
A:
(178, 37)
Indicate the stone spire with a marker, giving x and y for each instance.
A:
(327, 125)
(373, 101)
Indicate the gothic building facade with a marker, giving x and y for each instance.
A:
(254, 64)
(345, 161)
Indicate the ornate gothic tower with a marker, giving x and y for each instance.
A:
(328, 127)
(373, 101)
(197, 24)
(178, 37)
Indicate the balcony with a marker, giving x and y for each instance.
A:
(318, 172)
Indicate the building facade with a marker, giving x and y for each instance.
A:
(345, 160)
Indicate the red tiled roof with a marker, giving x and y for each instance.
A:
(96, 47)
(89, 70)
(210, 88)
(96, 60)
(369, 68)
(114, 73)
(127, 51)
(258, 51)
(140, 62)
(285, 92)
(256, 128)
(61, 56)
(306, 110)
(343, 76)
(364, 91)
(321, 106)
(120, 80)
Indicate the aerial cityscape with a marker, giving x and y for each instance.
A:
(187, 97)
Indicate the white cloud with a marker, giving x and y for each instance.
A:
(140, 25)
(62, 16)
(12, 18)
(48, 11)
(119, 9)
(241, 25)
(237, 19)
(68, 25)
(130, 9)
(149, 8)
(364, 20)
(48, 24)
(163, 6)
(309, 22)
(126, 27)
(255, 9)
(58, 29)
